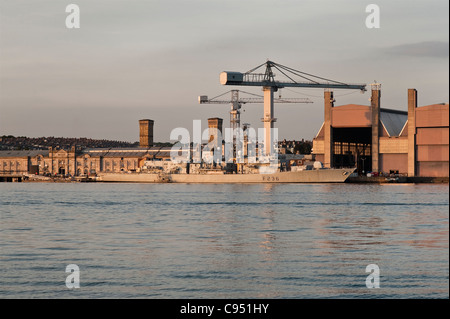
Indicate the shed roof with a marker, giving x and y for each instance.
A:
(128, 152)
(393, 121)
(23, 153)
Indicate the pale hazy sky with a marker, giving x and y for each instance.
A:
(136, 59)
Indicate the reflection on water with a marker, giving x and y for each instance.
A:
(224, 241)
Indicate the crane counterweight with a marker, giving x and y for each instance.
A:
(227, 78)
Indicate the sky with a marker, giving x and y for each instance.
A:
(134, 59)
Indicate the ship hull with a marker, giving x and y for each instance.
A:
(306, 176)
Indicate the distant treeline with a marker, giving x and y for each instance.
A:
(10, 142)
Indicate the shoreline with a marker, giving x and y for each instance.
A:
(401, 179)
(350, 180)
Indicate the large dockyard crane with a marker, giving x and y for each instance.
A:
(266, 80)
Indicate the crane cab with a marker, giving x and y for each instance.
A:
(227, 78)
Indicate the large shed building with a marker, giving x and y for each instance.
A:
(374, 139)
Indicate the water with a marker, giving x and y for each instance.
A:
(224, 241)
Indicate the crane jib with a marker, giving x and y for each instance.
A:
(267, 79)
(281, 85)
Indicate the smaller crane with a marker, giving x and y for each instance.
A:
(236, 103)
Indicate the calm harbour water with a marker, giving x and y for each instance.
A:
(224, 241)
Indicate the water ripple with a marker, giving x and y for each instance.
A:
(224, 241)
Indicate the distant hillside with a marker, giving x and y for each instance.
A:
(9, 142)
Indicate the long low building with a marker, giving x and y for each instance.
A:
(76, 162)
(412, 143)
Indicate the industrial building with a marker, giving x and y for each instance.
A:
(413, 143)
(77, 162)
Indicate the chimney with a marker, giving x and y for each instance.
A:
(215, 130)
(375, 105)
(146, 133)
(412, 105)
(328, 129)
